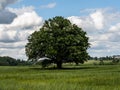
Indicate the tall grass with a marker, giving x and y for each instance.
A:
(84, 77)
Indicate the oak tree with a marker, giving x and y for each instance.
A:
(60, 41)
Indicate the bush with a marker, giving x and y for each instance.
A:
(101, 62)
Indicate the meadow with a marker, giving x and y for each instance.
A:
(82, 77)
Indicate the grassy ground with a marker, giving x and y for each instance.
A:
(83, 77)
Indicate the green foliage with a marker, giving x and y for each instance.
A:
(59, 41)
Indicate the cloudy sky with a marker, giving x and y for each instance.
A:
(99, 18)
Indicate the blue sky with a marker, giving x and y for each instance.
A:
(66, 7)
(99, 18)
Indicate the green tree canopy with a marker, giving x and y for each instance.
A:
(60, 41)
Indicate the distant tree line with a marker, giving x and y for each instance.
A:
(114, 59)
(102, 58)
(9, 61)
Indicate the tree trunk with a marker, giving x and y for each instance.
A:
(59, 64)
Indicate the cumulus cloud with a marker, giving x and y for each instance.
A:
(13, 52)
(26, 20)
(13, 36)
(16, 24)
(98, 19)
(19, 11)
(94, 21)
(23, 24)
(8, 36)
(85, 22)
(103, 28)
(50, 5)
(115, 28)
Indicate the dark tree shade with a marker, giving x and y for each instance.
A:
(60, 41)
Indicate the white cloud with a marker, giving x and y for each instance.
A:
(26, 20)
(19, 11)
(76, 20)
(13, 52)
(103, 28)
(115, 28)
(98, 19)
(16, 24)
(94, 21)
(13, 36)
(15, 32)
(85, 22)
(50, 5)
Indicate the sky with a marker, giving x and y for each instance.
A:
(99, 18)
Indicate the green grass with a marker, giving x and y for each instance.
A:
(83, 77)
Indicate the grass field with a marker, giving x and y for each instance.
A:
(83, 77)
